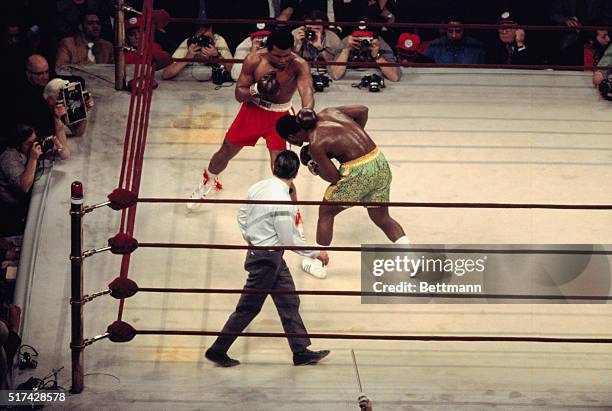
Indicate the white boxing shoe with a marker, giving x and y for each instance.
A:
(202, 190)
(314, 267)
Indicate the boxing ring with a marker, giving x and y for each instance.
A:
(483, 156)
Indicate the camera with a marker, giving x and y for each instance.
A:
(46, 143)
(202, 41)
(26, 355)
(373, 82)
(309, 34)
(365, 43)
(263, 43)
(605, 89)
(26, 361)
(220, 75)
(320, 81)
(363, 54)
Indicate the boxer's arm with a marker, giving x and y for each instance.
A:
(359, 114)
(327, 170)
(246, 79)
(304, 83)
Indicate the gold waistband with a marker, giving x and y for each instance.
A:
(363, 159)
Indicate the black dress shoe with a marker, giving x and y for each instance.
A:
(309, 357)
(220, 358)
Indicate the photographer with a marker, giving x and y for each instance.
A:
(606, 60)
(160, 58)
(363, 46)
(9, 340)
(313, 41)
(52, 93)
(18, 168)
(255, 41)
(203, 45)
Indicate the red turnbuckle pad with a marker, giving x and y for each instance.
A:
(123, 288)
(122, 243)
(121, 198)
(120, 331)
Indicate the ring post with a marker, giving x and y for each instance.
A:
(119, 46)
(76, 280)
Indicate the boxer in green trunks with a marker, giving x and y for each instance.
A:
(364, 174)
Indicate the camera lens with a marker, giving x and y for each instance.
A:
(310, 35)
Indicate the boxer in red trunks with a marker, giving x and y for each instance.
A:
(267, 82)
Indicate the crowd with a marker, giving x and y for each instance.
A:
(41, 37)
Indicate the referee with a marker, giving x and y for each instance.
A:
(270, 225)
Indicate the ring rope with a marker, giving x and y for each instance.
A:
(365, 64)
(381, 337)
(410, 204)
(369, 248)
(344, 293)
(466, 26)
(136, 130)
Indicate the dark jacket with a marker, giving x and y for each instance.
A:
(500, 54)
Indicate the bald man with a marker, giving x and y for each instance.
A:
(30, 107)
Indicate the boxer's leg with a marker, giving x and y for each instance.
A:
(325, 225)
(380, 216)
(221, 158)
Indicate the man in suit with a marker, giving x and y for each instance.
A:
(86, 47)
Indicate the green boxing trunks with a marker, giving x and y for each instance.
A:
(367, 178)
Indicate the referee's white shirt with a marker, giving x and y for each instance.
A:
(271, 224)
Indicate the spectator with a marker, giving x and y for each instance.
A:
(189, 49)
(10, 318)
(297, 9)
(33, 108)
(85, 47)
(323, 45)
(511, 47)
(70, 13)
(52, 95)
(577, 13)
(17, 170)
(239, 9)
(9, 252)
(19, 42)
(605, 61)
(353, 10)
(366, 47)
(249, 45)
(29, 105)
(409, 49)
(456, 48)
(380, 10)
(160, 60)
(596, 47)
(383, 11)
(13, 50)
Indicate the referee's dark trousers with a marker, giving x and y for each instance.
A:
(267, 270)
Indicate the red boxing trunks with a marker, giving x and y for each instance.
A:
(255, 121)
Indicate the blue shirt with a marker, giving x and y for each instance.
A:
(467, 51)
